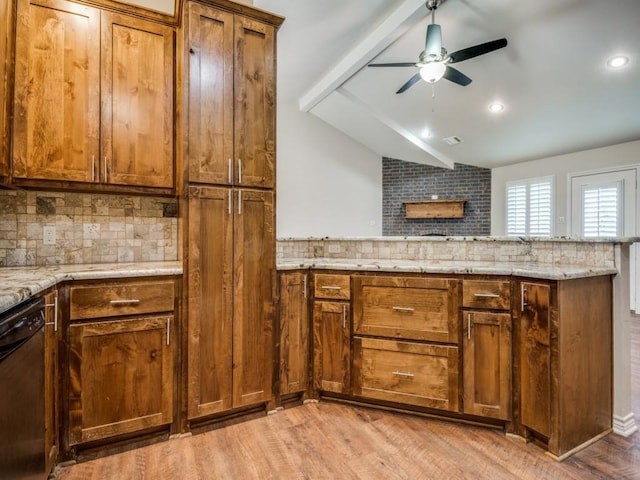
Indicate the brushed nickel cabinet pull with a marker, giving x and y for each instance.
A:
(523, 303)
(486, 295)
(129, 301)
(229, 202)
(239, 202)
(330, 287)
(93, 168)
(468, 326)
(403, 374)
(240, 171)
(230, 172)
(344, 316)
(304, 286)
(106, 173)
(55, 313)
(168, 330)
(403, 309)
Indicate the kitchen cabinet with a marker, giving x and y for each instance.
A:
(7, 41)
(121, 338)
(51, 379)
(230, 63)
(406, 340)
(565, 354)
(332, 346)
(486, 348)
(93, 98)
(231, 275)
(294, 333)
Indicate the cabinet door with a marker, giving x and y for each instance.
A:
(51, 391)
(487, 364)
(254, 136)
(254, 279)
(331, 347)
(137, 102)
(121, 377)
(294, 333)
(210, 156)
(535, 357)
(57, 96)
(6, 62)
(210, 300)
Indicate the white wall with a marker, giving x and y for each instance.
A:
(327, 184)
(560, 166)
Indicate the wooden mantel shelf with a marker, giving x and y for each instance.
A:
(434, 209)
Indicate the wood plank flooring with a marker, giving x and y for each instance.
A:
(334, 441)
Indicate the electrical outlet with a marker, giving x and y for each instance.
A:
(49, 235)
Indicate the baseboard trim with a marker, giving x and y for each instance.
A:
(624, 426)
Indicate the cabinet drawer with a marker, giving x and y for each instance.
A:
(486, 294)
(121, 299)
(406, 307)
(335, 287)
(404, 372)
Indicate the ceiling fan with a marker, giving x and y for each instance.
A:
(435, 63)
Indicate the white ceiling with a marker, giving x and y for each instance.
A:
(559, 95)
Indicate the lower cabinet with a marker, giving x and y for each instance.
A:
(51, 379)
(294, 333)
(331, 346)
(406, 372)
(486, 352)
(121, 354)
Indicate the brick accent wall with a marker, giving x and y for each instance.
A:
(406, 181)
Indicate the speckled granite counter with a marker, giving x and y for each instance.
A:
(21, 283)
(548, 272)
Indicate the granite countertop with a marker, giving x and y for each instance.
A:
(470, 238)
(21, 283)
(548, 272)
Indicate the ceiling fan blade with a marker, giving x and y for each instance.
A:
(456, 76)
(410, 83)
(476, 50)
(401, 64)
(433, 42)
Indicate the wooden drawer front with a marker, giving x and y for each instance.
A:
(121, 299)
(335, 287)
(486, 294)
(411, 308)
(403, 372)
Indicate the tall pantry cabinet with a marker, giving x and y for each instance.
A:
(229, 178)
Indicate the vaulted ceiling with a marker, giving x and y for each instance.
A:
(559, 95)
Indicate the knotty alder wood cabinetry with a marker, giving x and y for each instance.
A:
(51, 379)
(231, 271)
(93, 98)
(565, 361)
(231, 105)
(121, 358)
(7, 40)
(294, 333)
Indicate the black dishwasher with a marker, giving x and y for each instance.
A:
(22, 450)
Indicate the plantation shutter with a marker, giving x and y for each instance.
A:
(601, 210)
(530, 207)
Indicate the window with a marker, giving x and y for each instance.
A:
(530, 207)
(601, 210)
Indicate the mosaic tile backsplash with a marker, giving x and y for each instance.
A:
(89, 228)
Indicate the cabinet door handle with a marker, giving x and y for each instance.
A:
(304, 286)
(240, 171)
(523, 303)
(486, 295)
(129, 301)
(230, 172)
(106, 173)
(468, 326)
(239, 202)
(93, 168)
(404, 309)
(344, 316)
(403, 374)
(55, 313)
(330, 287)
(168, 330)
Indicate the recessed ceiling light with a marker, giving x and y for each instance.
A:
(426, 133)
(496, 107)
(618, 61)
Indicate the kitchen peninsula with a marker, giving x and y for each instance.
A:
(514, 331)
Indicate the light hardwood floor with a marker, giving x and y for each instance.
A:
(333, 441)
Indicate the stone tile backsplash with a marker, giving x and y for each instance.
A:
(90, 228)
(482, 249)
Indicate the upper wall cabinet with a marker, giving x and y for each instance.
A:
(6, 61)
(93, 98)
(231, 98)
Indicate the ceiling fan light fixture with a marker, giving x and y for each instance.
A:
(433, 71)
(618, 61)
